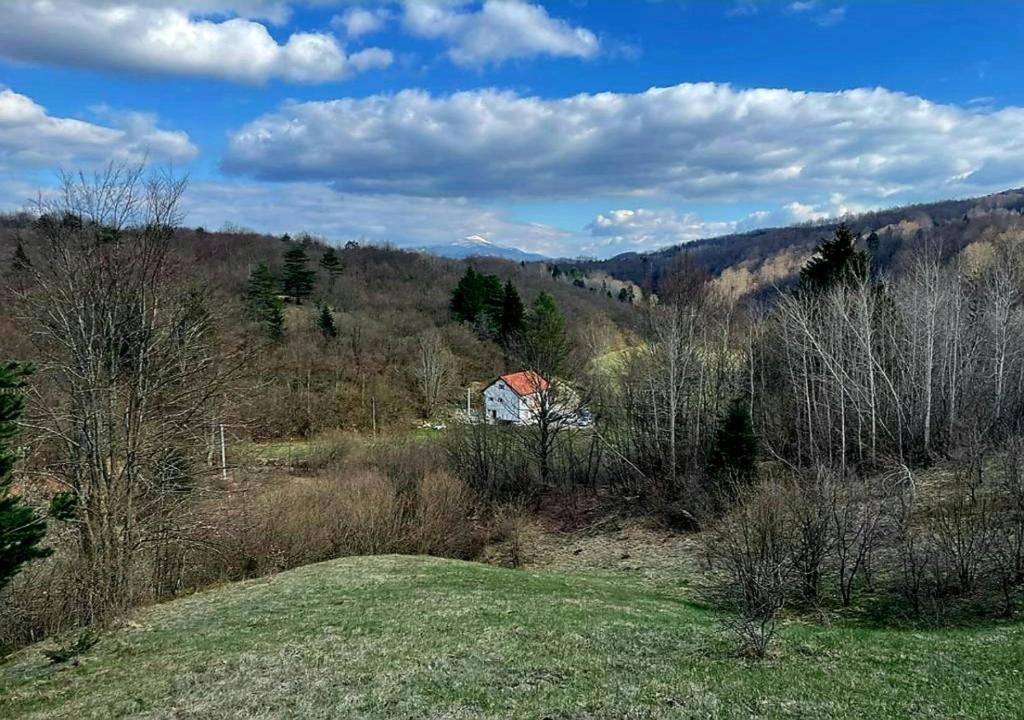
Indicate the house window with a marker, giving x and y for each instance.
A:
(494, 414)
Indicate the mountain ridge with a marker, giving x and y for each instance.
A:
(773, 256)
(477, 246)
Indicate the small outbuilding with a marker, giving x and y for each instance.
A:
(514, 398)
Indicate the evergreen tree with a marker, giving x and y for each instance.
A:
(298, 279)
(479, 299)
(466, 301)
(20, 262)
(263, 303)
(734, 454)
(835, 261)
(325, 321)
(21, 530)
(330, 262)
(544, 343)
(492, 299)
(510, 321)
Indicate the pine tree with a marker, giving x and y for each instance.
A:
(263, 303)
(734, 454)
(298, 279)
(466, 302)
(21, 530)
(478, 299)
(510, 320)
(20, 262)
(325, 321)
(330, 262)
(835, 261)
(492, 298)
(544, 342)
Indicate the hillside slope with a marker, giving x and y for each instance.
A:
(411, 637)
(383, 301)
(750, 261)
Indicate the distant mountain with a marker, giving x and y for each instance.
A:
(758, 260)
(474, 245)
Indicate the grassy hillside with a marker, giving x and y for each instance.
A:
(410, 637)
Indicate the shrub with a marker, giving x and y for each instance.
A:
(754, 548)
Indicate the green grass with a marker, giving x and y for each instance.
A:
(411, 637)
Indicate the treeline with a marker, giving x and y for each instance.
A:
(338, 335)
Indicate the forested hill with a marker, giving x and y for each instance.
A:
(747, 262)
(386, 305)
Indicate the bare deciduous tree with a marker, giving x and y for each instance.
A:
(131, 372)
(434, 370)
(754, 548)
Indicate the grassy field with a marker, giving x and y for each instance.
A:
(412, 637)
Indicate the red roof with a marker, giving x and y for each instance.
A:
(526, 382)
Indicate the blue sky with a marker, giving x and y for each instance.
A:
(530, 124)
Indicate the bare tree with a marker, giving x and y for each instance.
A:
(129, 371)
(754, 547)
(435, 366)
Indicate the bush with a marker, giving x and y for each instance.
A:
(353, 512)
(754, 548)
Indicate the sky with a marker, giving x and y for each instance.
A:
(577, 128)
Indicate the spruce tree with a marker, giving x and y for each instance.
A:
(467, 301)
(20, 262)
(325, 321)
(492, 298)
(734, 454)
(330, 262)
(479, 299)
(21, 529)
(298, 279)
(544, 343)
(510, 320)
(836, 261)
(263, 303)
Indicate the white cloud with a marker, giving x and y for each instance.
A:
(359, 21)
(31, 138)
(827, 17)
(214, 38)
(690, 141)
(499, 30)
(402, 221)
(645, 229)
(831, 17)
(743, 8)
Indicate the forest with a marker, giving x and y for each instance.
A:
(153, 370)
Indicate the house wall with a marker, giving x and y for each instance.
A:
(501, 403)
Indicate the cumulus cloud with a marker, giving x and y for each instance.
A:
(690, 141)
(644, 229)
(498, 30)
(359, 21)
(215, 38)
(404, 222)
(31, 138)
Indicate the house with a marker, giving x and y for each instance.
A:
(514, 398)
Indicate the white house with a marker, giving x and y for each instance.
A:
(513, 398)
